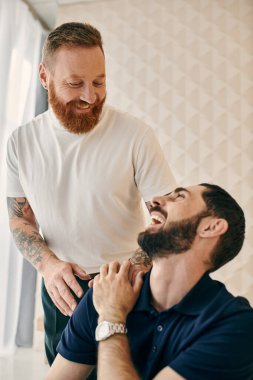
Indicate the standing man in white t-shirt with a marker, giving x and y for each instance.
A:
(72, 166)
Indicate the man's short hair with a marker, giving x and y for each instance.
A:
(71, 34)
(221, 204)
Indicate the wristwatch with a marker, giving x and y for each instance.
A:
(106, 329)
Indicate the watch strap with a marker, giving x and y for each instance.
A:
(105, 329)
(118, 328)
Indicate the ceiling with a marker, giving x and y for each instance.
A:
(46, 10)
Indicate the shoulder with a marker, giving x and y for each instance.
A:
(239, 313)
(229, 305)
(125, 121)
(86, 307)
(78, 342)
(226, 310)
(215, 309)
(219, 343)
(230, 327)
(29, 127)
(84, 319)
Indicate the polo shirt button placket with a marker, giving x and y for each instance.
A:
(154, 349)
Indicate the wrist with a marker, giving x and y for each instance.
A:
(113, 318)
(49, 258)
(106, 329)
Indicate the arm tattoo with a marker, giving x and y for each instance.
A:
(15, 207)
(30, 245)
(141, 258)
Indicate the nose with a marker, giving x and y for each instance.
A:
(88, 94)
(159, 200)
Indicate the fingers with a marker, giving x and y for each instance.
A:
(124, 269)
(57, 304)
(113, 268)
(79, 272)
(104, 270)
(109, 269)
(138, 281)
(59, 295)
(72, 283)
(113, 294)
(60, 282)
(59, 290)
(132, 274)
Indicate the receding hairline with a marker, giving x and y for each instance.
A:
(71, 35)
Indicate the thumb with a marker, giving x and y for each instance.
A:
(79, 272)
(90, 283)
(138, 282)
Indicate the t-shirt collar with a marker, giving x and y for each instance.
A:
(54, 119)
(57, 123)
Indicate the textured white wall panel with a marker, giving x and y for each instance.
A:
(186, 68)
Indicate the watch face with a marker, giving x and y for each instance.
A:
(103, 331)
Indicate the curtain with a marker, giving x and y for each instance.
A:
(20, 45)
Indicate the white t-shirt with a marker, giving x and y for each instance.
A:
(85, 190)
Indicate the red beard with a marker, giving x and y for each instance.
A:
(69, 118)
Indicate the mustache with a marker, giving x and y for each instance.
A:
(79, 102)
(158, 209)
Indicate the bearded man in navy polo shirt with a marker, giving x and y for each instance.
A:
(176, 322)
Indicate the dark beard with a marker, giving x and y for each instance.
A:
(177, 238)
(69, 118)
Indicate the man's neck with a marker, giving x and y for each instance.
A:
(172, 278)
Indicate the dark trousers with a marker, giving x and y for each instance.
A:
(55, 322)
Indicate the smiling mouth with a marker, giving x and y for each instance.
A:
(83, 106)
(157, 221)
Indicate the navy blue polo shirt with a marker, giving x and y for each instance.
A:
(207, 335)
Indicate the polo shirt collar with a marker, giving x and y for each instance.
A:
(199, 297)
(143, 303)
(193, 302)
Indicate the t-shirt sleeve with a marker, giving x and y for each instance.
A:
(225, 352)
(13, 187)
(153, 175)
(78, 342)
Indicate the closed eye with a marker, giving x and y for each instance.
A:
(77, 84)
(98, 84)
(180, 193)
(179, 196)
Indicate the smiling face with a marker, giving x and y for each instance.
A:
(75, 79)
(182, 203)
(174, 222)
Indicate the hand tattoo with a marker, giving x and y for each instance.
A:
(141, 258)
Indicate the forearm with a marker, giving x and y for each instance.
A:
(30, 243)
(27, 238)
(114, 359)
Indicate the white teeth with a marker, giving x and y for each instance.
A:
(157, 218)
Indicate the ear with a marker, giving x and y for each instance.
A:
(211, 227)
(43, 76)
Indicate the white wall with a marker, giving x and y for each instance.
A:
(186, 68)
